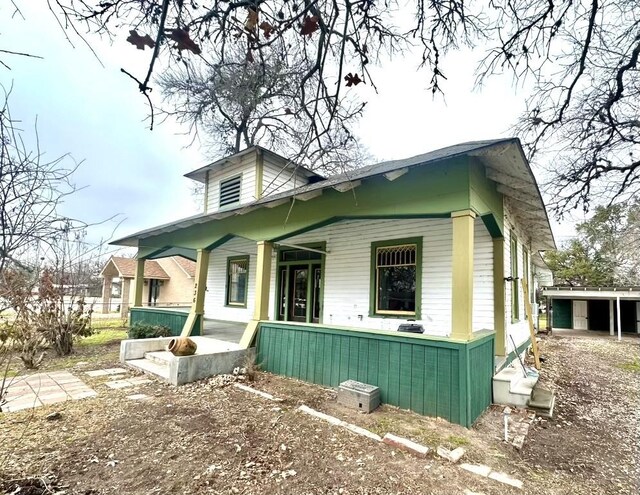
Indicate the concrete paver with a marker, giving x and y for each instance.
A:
(39, 389)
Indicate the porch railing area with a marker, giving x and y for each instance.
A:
(171, 318)
(431, 376)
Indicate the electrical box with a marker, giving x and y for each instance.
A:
(360, 396)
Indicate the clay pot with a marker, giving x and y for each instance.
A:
(182, 346)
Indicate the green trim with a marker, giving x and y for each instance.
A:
(343, 218)
(230, 260)
(372, 277)
(223, 240)
(515, 353)
(423, 191)
(172, 319)
(485, 199)
(322, 245)
(492, 226)
(515, 300)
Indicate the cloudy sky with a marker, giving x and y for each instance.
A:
(92, 111)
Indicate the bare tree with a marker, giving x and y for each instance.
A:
(580, 55)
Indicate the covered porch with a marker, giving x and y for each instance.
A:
(321, 278)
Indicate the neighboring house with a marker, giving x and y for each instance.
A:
(167, 282)
(612, 309)
(323, 271)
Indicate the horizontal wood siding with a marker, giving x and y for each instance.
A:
(174, 320)
(348, 270)
(215, 296)
(427, 376)
(277, 177)
(246, 167)
(482, 278)
(519, 329)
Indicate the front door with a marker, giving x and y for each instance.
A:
(580, 315)
(300, 286)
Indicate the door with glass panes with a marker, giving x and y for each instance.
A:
(300, 285)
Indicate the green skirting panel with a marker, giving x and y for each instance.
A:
(431, 376)
(174, 320)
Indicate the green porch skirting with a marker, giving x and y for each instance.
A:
(431, 376)
(172, 319)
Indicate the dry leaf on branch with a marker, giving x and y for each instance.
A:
(353, 79)
(140, 42)
(266, 28)
(252, 20)
(309, 25)
(184, 41)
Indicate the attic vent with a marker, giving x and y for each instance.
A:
(230, 191)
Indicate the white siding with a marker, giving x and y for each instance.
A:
(348, 270)
(482, 278)
(214, 301)
(277, 178)
(519, 329)
(246, 168)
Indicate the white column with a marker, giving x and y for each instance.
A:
(619, 320)
(611, 318)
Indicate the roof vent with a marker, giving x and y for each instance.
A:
(230, 191)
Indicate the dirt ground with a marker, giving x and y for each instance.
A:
(207, 438)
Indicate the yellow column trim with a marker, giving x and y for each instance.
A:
(498, 296)
(259, 173)
(462, 275)
(263, 281)
(139, 283)
(199, 290)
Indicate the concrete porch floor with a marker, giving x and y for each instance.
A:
(228, 331)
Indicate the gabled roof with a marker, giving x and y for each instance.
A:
(187, 266)
(126, 268)
(504, 161)
(200, 174)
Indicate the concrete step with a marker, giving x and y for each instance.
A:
(511, 388)
(150, 367)
(163, 358)
(542, 402)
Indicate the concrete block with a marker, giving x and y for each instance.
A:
(406, 444)
(506, 479)
(360, 396)
(479, 469)
(451, 455)
(187, 369)
(136, 348)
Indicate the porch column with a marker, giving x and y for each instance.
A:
(498, 296)
(462, 275)
(199, 289)
(611, 318)
(125, 295)
(619, 318)
(261, 309)
(106, 294)
(139, 283)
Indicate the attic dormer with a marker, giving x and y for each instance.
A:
(247, 176)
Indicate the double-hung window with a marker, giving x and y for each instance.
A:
(237, 281)
(396, 275)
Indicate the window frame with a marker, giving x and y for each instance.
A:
(227, 292)
(373, 285)
(220, 184)
(515, 293)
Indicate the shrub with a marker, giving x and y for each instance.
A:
(146, 331)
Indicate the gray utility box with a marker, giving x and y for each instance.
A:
(359, 396)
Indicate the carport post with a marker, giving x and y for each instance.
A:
(611, 318)
(619, 319)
